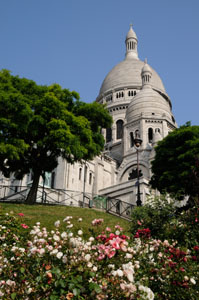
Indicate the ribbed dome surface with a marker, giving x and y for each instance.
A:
(148, 102)
(128, 73)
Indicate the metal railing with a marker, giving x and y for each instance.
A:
(119, 208)
(45, 195)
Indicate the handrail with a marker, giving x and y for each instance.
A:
(45, 195)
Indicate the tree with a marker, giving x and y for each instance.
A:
(38, 124)
(176, 165)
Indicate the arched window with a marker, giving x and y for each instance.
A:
(157, 130)
(90, 178)
(131, 139)
(150, 135)
(119, 125)
(108, 135)
(129, 93)
(80, 173)
(137, 134)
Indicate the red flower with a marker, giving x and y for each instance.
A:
(21, 214)
(196, 248)
(24, 226)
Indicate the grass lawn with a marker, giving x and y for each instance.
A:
(47, 215)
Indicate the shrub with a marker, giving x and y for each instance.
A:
(155, 215)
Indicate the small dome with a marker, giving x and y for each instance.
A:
(148, 103)
(131, 33)
(146, 68)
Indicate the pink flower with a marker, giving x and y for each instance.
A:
(111, 254)
(21, 214)
(118, 227)
(108, 229)
(97, 222)
(24, 226)
(139, 223)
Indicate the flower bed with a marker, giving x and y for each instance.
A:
(37, 264)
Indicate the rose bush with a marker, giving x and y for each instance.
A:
(37, 264)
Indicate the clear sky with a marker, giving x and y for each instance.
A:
(77, 42)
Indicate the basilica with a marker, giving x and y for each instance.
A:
(141, 110)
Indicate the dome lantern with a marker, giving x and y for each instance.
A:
(131, 44)
(146, 74)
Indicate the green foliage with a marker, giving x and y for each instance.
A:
(176, 164)
(38, 124)
(155, 215)
(184, 228)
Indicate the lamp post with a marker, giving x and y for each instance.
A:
(137, 144)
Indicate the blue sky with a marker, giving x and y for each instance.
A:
(77, 42)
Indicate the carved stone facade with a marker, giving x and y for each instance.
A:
(140, 102)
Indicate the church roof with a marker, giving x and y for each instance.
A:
(127, 74)
(148, 102)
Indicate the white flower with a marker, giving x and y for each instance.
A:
(91, 239)
(64, 259)
(10, 282)
(89, 265)
(29, 291)
(64, 235)
(111, 266)
(59, 255)
(117, 232)
(80, 219)
(95, 269)
(128, 255)
(87, 257)
(38, 223)
(57, 223)
(70, 234)
(120, 273)
(50, 248)
(80, 232)
(33, 250)
(67, 218)
(41, 251)
(56, 237)
(69, 226)
(192, 280)
(186, 278)
(55, 251)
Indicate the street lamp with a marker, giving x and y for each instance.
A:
(137, 144)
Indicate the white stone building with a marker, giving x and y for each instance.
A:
(140, 107)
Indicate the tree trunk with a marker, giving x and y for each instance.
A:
(32, 195)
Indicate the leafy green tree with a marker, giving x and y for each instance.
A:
(176, 164)
(38, 124)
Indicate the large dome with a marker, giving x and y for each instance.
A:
(128, 74)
